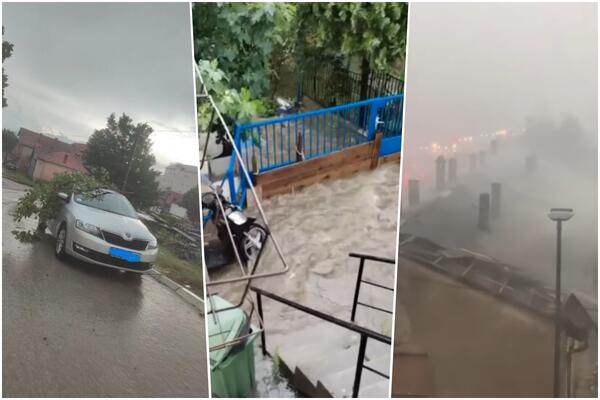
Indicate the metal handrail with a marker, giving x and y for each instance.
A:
(329, 318)
(238, 339)
(254, 194)
(360, 280)
(372, 258)
(245, 276)
(364, 333)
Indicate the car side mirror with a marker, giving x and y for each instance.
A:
(63, 196)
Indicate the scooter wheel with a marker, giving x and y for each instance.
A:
(252, 242)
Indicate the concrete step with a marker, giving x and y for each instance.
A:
(340, 383)
(381, 386)
(320, 359)
(302, 383)
(318, 332)
(375, 390)
(379, 363)
(304, 347)
(326, 364)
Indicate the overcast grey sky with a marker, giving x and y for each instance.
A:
(476, 68)
(74, 64)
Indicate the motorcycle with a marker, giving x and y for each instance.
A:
(286, 107)
(248, 235)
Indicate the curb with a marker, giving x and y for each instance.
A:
(191, 298)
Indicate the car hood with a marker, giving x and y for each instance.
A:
(112, 222)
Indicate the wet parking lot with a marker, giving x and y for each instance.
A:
(72, 329)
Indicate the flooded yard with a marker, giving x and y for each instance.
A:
(317, 228)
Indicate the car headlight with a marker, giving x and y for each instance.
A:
(89, 228)
(152, 244)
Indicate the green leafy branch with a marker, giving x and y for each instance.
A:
(236, 106)
(41, 201)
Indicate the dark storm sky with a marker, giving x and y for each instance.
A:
(74, 64)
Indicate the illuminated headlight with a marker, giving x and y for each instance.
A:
(152, 244)
(89, 228)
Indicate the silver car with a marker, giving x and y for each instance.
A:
(102, 227)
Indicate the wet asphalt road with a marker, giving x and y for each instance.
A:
(72, 329)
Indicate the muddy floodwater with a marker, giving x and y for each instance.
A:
(317, 228)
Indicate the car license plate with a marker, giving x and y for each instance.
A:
(124, 254)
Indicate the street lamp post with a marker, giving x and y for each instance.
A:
(559, 215)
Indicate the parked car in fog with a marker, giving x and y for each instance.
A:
(102, 227)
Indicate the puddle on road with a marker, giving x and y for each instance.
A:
(11, 247)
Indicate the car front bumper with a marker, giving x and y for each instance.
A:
(92, 249)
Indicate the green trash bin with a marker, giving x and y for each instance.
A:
(232, 367)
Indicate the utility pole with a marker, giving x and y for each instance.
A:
(135, 145)
(558, 215)
(557, 306)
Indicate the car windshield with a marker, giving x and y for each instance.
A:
(107, 201)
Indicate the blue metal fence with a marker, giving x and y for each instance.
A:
(281, 141)
(276, 142)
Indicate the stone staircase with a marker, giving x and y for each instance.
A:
(320, 361)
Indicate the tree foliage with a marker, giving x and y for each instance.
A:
(240, 48)
(41, 201)
(235, 105)
(375, 32)
(121, 154)
(239, 105)
(7, 49)
(241, 38)
(191, 202)
(9, 141)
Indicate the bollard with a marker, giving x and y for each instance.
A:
(481, 157)
(413, 192)
(494, 146)
(483, 222)
(531, 163)
(440, 173)
(452, 169)
(495, 205)
(472, 162)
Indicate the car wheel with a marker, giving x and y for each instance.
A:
(61, 242)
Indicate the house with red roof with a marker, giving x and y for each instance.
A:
(44, 156)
